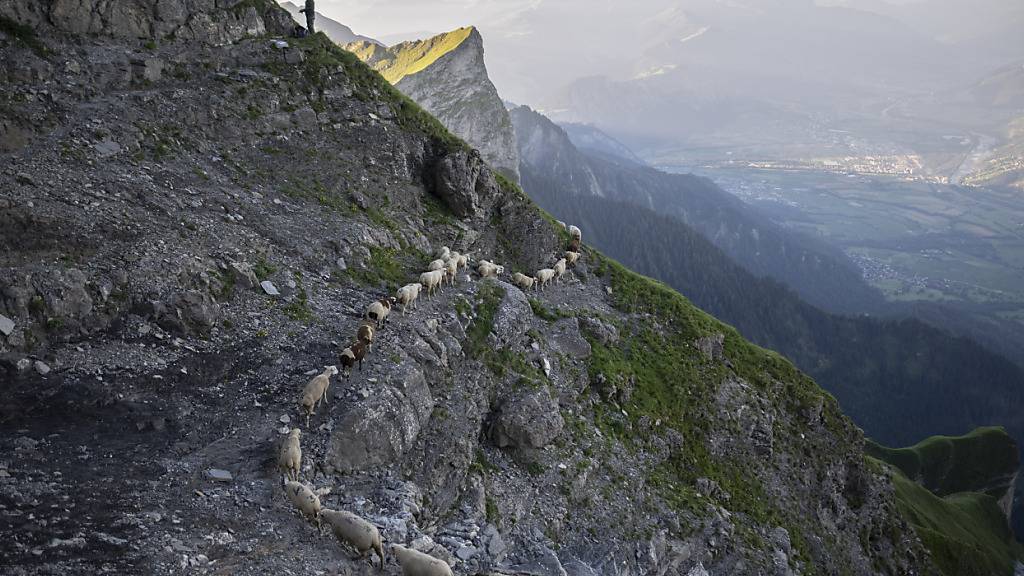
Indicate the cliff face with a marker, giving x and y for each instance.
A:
(446, 75)
(186, 242)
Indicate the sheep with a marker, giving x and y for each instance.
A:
(571, 257)
(451, 269)
(416, 563)
(444, 253)
(559, 269)
(408, 294)
(432, 280)
(304, 499)
(365, 335)
(463, 260)
(437, 264)
(349, 356)
(575, 233)
(316, 391)
(488, 269)
(378, 311)
(523, 281)
(356, 532)
(454, 257)
(289, 460)
(544, 276)
(574, 245)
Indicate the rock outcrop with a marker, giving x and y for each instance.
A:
(446, 75)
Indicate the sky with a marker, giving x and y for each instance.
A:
(381, 18)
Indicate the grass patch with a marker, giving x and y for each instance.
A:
(966, 533)
(382, 268)
(263, 269)
(950, 464)
(488, 298)
(543, 312)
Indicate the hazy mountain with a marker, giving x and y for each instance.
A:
(336, 31)
(586, 137)
(823, 275)
(446, 74)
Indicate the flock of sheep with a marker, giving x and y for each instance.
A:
(349, 528)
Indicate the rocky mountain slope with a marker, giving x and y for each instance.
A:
(192, 230)
(446, 75)
(336, 31)
(823, 275)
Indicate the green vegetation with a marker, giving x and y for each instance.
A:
(298, 309)
(966, 533)
(543, 312)
(263, 268)
(24, 34)
(382, 268)
(488, 297)
(950, 464)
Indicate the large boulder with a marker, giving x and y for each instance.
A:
(531, 420)
(513, 315)
(466, 184)
(380, 428)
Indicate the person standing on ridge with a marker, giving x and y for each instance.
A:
(310, 15)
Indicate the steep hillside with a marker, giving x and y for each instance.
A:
(336, 31)
(589, 138)
(186, 241)
(822, 275)
(446, 75)
(955, 491)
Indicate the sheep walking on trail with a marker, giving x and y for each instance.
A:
(408, 294)
(438, 264)
(378, 311)
(462, 259)
(544, 276)
(356, 532)
(432, 280)
(575, 233)
(352, 355)
(523, 281)
(489, 269)
(559, 269)
(365, 335)
(571, 257)
(315, 391)
(444, 253)
(574, 245)
(290, 458)
(451, 269)
(305, 500)
(416, 563)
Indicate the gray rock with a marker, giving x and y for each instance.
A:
(42, 368)
(605, 333)
(565, 338)
(304, 117)
(513, 315)
(219, 475)
(712, 347)
(531, 420)
(269, 289)
(6, 325)
(340, 263)
(293, 56)
(244, 274)
(107, 148)
(379, 429)
(465, 553)
(464, 183)
(24, 178)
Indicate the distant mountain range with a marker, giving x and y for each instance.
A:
(336, 31)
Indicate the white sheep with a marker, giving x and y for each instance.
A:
(416, 563)
(408, 294)
(444, 253)
(559, 269)
(451, 269)
(378, 311)
(436, 264)
(489, 269)
(289, 460)
(356, 532)
(316, 391)
(454, 256)
(463, 260)
(576, 233)
(544, 276)
(432, 280)
(571, 257)
(305, 499)
(523, 281)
